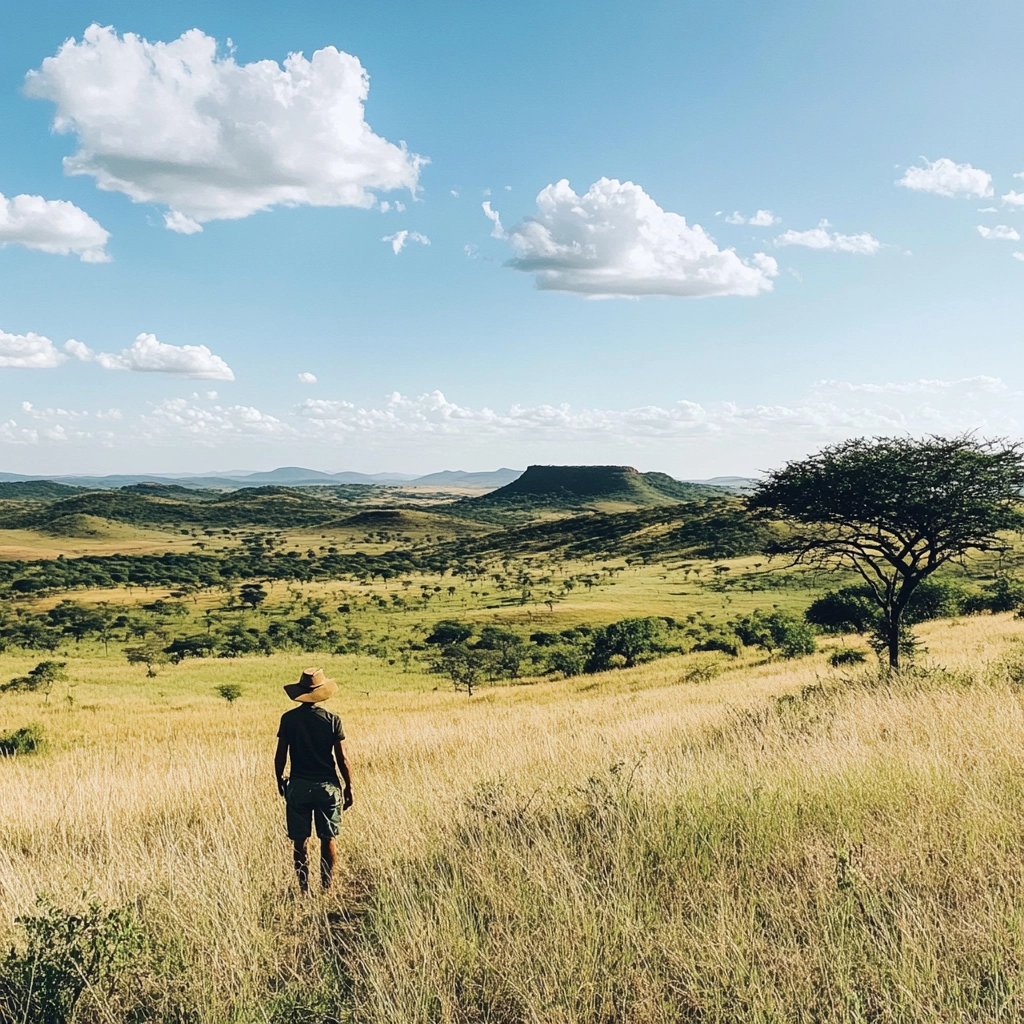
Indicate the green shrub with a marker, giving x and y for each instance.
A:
(26, 740)
(64, 955)
(776, 632)
(846, 656)
(229, 691)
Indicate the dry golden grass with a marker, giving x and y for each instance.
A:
(626, 847)
(112, 538)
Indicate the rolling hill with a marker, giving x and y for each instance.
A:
(581, 487)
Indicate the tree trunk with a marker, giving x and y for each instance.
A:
(894, 640)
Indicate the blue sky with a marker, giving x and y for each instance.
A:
(594, 322)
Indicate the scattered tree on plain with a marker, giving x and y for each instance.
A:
(895, 510)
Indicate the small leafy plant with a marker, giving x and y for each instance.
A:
(229, 691)
(26, 740)
(64, 955)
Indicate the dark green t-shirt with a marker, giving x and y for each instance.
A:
(311, 732)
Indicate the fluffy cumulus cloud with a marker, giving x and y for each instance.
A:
(180, 125)
(829, 411)
(1011, 198)
(28, 352)
(946, 178)
(210, 425)
(1000, 233)
(307, 378)
(615, 241)
(708, 434)
(149, 355)
(399, 239)
(821, 238)
(52, 225)
(761, 219)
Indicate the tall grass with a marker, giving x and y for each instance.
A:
(785, 842)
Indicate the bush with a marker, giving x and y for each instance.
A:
(1004, 594)
(568, 659)
(65, 954)
(626, 643)
(850, 610)
(229, 691)
(776, 632)
(26, 740)
(846, 656)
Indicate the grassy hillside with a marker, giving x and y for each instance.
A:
(780, 843)
(576, 487)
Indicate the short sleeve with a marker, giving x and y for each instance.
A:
(282, 729)
(339, 733)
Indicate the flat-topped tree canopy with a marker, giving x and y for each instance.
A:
(895, 509)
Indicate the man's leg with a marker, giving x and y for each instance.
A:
(328, 858)
(301, 863)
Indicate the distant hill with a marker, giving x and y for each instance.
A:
(737, 484)
(35, 490)
(460, 478)
(583, 486)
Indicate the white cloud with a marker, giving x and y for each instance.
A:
(764, 219)
(1011, 198)
(28, 352)
(946, 178)
(989, 209)
(922, 386)
(1019, 256)
(455, 194)
(495, 218)
(148, 355)
(712, 435)
(399, 239)
(400, 206)
(831, 410)
(615, 241)
(175, 220)
(52, 225)
(384, 206)
(761, 219)
(210, 425)
(176, 124)
(819, 238)
(1000, 233)
(307, 378)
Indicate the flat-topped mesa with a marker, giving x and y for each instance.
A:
(582, 481)
(584, 484)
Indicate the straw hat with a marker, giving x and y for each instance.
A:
(313, 686)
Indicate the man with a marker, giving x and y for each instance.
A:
(312, 736)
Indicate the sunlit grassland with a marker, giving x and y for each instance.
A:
(622, 847)
(111, 538)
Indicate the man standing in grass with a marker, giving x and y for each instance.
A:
(312, 736)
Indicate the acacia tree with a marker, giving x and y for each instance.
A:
(894, 510)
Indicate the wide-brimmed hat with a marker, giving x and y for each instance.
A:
(313, 686)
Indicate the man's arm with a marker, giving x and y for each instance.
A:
(339, 756)
(280, 757)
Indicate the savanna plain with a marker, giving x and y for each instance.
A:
(560, 815)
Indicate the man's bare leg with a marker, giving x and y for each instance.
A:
(328, 856)
(301, 864)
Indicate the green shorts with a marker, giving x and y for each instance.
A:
(321, 800)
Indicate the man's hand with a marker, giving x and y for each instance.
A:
(346, 802)
(282, 786)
